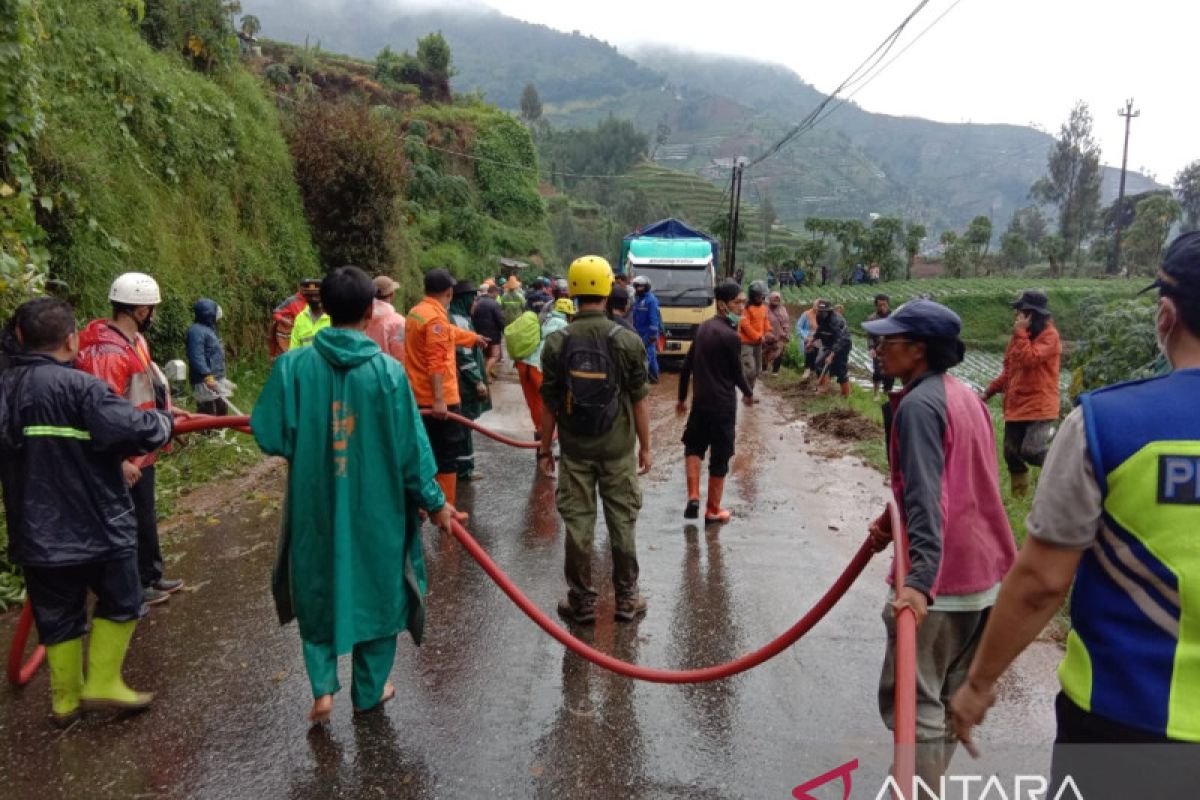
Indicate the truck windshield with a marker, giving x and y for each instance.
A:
(686, 286)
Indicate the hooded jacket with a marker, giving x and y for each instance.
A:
(1029, 379)
(126, 366)
(350, 567)
(205, 354)
(63, 435)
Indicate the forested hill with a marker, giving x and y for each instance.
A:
(854, 164)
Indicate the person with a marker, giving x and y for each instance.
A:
(116, 352)
(487, 317)
(618, 306)
(799, 276)
(779, 333)
(1029, 382)
(833, 335)
(883, 307)
(558, 291)
(472, 375)
(1116, 515)
(283, 318)
(806, 330)
(873, 273)
(386, 326)
(647, 320)
(349, 568)
(310, 319)
(206, 360)
(752, 330)
(64, 435)
(513, 300)
(594, 393)
(430, 340)
(538, 298)
(824, 274)
(621, 280)
(941, 452)
(859, 274)
(714, 364)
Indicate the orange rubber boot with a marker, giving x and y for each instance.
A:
(449, 483)
(846, 389)
(713, 511)
(693, 487)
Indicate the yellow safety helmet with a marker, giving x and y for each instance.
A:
(564, 306)
(591, 276)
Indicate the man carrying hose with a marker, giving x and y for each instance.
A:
(64, 436)
(349, 568)
(942, 454)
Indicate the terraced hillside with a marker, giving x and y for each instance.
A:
(697, 201)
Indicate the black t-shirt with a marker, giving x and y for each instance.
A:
(715, 359)
(488, 318)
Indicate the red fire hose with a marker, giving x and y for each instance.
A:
(475, 426)
(20, 670)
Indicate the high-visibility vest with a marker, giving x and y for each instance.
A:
(305, 328)
(1133, 654)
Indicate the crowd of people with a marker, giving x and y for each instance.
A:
(362, 402)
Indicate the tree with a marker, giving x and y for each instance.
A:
(810, 252)
(954, 253)
(662, 135)
(1073, 182)
(1014, 250)
(978, 236)
(1054, 250)
(1149, 231)
(531, 104)
(719, 228)
(1187, 187)
(914, 233)
(251, 25)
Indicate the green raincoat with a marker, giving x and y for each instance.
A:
(350, 566)
(471, 361)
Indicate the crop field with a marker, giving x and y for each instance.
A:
(945, 290)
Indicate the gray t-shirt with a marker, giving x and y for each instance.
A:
(1068, 504)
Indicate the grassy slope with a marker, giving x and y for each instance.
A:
(155, 167)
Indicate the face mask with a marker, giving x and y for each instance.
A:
(734, 319)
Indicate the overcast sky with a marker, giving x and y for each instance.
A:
(1017, 61)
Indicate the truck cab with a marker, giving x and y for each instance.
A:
(683, 277)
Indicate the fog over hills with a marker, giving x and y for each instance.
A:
(853, 164)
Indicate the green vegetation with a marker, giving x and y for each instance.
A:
(983, 303)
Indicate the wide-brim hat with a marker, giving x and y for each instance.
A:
(464, 287)
(1033, 300)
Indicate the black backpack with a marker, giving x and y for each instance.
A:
(592, 388)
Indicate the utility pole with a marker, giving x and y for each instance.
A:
(733, 183)
(739, 165)
(1128, 113)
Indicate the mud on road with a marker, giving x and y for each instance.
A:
(490, 706)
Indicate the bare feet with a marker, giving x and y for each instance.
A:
(322, 708)
(389, 693)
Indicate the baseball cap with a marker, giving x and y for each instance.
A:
(437, 281)
(385, 286)
(921, 318)
(1180, 270)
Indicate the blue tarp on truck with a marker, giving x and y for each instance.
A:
(666, 229)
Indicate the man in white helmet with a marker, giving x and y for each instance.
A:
(115, 351)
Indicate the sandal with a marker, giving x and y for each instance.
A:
(389, 693)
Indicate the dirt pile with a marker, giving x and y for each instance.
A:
(845, 423)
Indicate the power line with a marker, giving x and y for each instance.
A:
(868, 64)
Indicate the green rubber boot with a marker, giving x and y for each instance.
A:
(66, 679)
(104, 687)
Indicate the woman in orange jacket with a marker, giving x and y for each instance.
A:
(1029, 382)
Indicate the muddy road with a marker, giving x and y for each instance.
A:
(492, 707)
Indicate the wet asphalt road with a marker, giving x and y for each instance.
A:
(492, 707)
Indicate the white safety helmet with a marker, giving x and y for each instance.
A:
(641, 280)
(135, 289)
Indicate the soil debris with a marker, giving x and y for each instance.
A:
(845, 423)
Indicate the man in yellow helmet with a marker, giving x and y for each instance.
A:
(594, 390)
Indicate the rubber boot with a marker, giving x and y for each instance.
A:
(713, 511)
(104, 687)
(66, 679)
(846, 390)
(1020, 483)
(449, 483)
(693, 487)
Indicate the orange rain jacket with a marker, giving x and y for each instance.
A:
(753, 326)
(429, 342)
(1029, 379)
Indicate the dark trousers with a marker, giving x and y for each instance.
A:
(1026, 443)
(149, 555)
(1111, 761)
(710, 429)
(58, 596)
(810, 359)
(216, 408)
(878, 377)
(448, 440)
